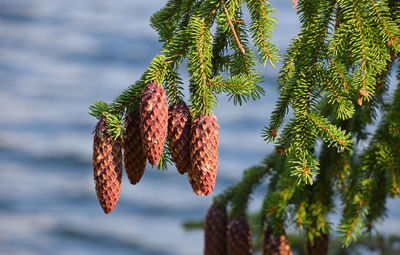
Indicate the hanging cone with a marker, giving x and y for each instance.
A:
(153, 121)
(107, 166)
(179, 121)
(268, 242)
(134, 157)
(215, 231)
(239, 237)
(319, 246)
(203, 154)
(278, 245)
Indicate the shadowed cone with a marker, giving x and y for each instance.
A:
(134, 157)
(215, 231)
(276, 245)
(239, 237)
(179, 122)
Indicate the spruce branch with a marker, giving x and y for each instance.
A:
(165, 159)
(242, 62)
(239, 87)
(114, 125)
(173, 86)
(220, 61)
(338, 70)
(164, 21)
(382, 12)
(251, 178)
(286, 73)
(238, 21)
(277, 117)
(157, 70)
(261, 30)
(99, 109)
(200, 67)
(330, 133)
(343, 105)
(352, 226)
(229, 20)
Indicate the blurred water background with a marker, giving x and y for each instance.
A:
(56, 57)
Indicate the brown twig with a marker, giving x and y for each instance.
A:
(238, 21)
(233, 29)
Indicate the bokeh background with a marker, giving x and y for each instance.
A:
(56, 57)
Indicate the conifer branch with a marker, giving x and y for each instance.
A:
(251, 178)
(392, 31)
(238, 87)
(229, 20)
(238, 21)
(330, 133)
(261, 29)
(338, 72)
(200, 67)
(359, 27)
(99, 109)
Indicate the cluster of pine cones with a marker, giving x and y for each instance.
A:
(233, 237)
(193, 145)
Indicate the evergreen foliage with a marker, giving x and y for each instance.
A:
(334, 78)
(184, 29)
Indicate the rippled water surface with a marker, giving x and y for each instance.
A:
(56, 57)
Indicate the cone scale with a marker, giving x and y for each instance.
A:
(215, 231)
(276, 245)
(238, 237)
(107, 166)
(134, 157)
(203, 154)
(268, 243)
(179, 121)
(153, 121)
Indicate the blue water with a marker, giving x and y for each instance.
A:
(56, 57)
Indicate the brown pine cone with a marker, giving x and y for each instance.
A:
(282, 246)
(215, 231)
(278, 245)
(107, 166)
(179, 121)
(203, 154)
(319, 246)
(134, 157)
(239, 237)
(268, 243)
(153, 121)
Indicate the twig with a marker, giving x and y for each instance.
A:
(233, 29)
(238, 21)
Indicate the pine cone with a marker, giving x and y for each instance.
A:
(203, 154)
(215, 231)
(134, 157)
(268, 243)
(179, 121)
(319, 246)
(107, 166)
(153, 121)
(239, 237)
(278, 245)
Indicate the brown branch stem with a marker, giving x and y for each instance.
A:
(233, 29)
